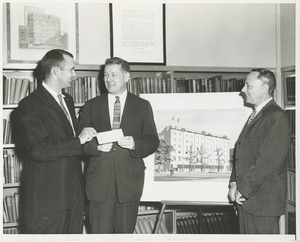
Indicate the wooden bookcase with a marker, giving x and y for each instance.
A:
(289, 90)
(215, 80)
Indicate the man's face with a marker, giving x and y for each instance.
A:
(67, 73)
(254, 89)
(115, 79)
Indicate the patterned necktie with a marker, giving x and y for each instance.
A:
(63, 108)
(117, 114)
(252, 116)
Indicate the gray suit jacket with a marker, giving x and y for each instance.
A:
(260, 164)
(138, 122)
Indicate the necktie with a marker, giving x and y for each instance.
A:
(117, 114)
(251, 116)
(63, 108)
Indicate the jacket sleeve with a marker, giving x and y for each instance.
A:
(271, 155)
(85, 120)
(148, 142)
(35, 136)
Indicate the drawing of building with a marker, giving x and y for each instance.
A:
(195, 151)
(41, 30)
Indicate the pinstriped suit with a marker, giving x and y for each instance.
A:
(52, 163)
(260, 166)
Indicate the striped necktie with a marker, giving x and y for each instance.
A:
(117, 114)
(252, 116)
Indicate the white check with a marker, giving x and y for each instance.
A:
(109, 136)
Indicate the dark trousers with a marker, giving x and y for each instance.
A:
(252, 224)
(69, 221)
(113, 216)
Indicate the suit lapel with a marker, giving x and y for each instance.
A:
(47, 98)
(258, 116)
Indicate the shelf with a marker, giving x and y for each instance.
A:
(11, 185)
(7, 225)
(31, 67)
(291, 107)
(9, 146)
(10, 106)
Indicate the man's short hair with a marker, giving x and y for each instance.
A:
(118, 61)
(53, 58)
(267, 77)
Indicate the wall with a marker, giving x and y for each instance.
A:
(240, 35)
(226, 35)
(287, 33)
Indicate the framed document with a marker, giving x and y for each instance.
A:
(138, 32)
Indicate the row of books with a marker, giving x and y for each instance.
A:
(83, 88)
(7, 137)
(292, 155)
(290, 89)
(212, 84)
(145, 85)
(292, 119)
(146, 225)
(211, 223)
(11, 208)
(291, 223)
(12, 167)
(291, 193)
(11, 230)
(15, 89)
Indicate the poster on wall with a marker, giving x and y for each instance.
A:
(197, 135)
(138, 32)
(35, 28)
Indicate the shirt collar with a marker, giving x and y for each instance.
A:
(121, 96)
(260, 106)
(51, 91)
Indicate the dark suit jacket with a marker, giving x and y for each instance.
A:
(260, 166)
(52, 162)
(137, 121)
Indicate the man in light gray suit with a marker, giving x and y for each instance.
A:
(258, 183)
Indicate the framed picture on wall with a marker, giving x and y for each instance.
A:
(138, 32)
(34, 28)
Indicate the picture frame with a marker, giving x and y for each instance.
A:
(35, 28)
(197, 112)
(138, 32)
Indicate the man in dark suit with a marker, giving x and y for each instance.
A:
(52, 151)
(115, 173)
(258, 183)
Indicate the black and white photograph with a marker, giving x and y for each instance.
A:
(163, 120)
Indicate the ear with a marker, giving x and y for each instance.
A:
(55, 70)
(265, 88)
(127, 76)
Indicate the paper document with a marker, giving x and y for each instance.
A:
(110, 136)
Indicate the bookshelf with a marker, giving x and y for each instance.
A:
(18, 83)
(212, 79)
(289, 81)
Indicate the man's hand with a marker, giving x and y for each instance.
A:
(232, 191)
(239, 198)
(127, 142)
(87, 134)
(105, 147)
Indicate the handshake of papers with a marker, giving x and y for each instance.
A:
(110, 136)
